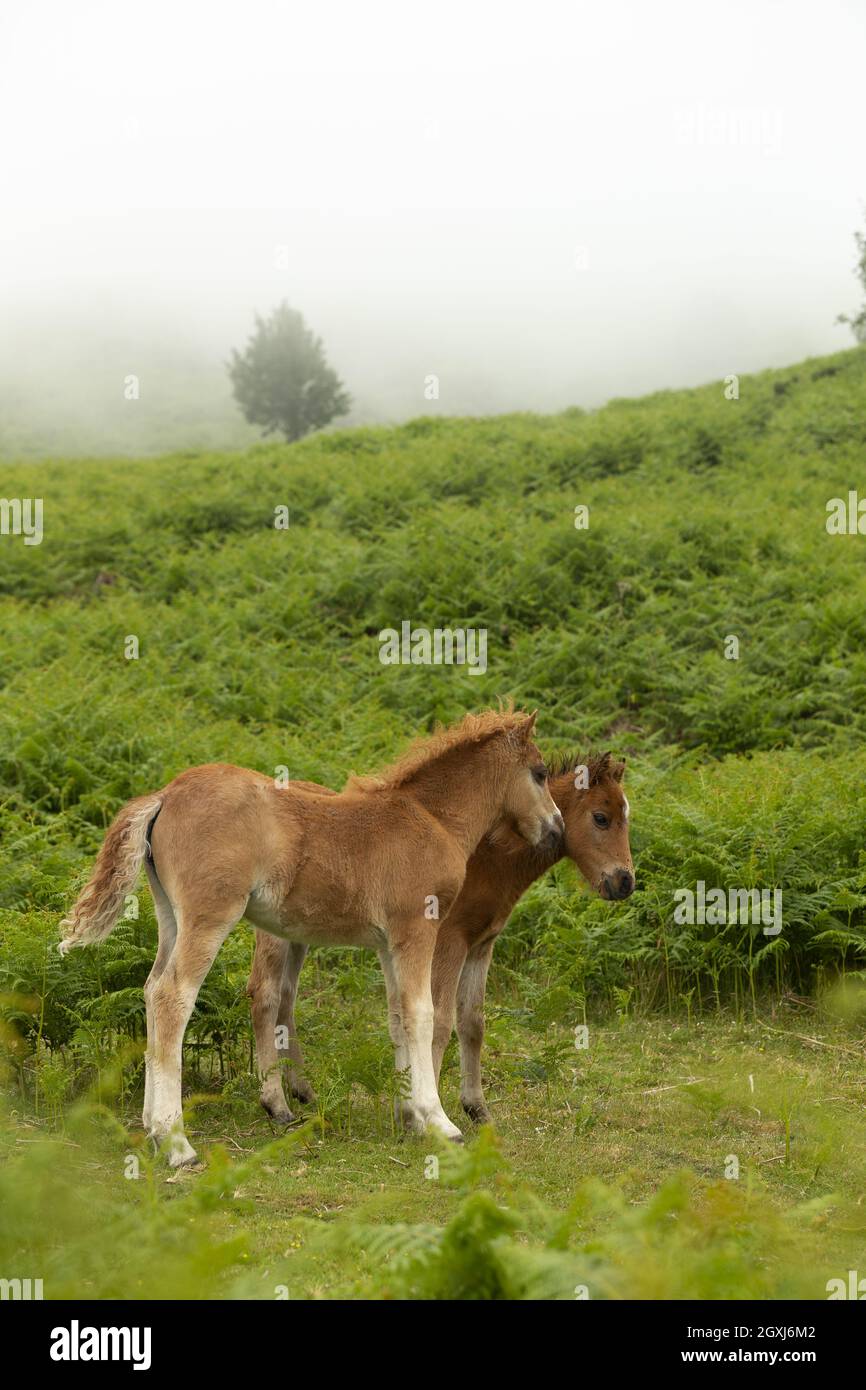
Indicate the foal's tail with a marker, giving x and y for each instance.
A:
(114, 875)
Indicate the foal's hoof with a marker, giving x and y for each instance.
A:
(303, 1091)
(405, 1117)
(281, 1115)
(434, 1122)
(479, 1113)
(177, 1161)
(445, 1129)
(181, 1154)
(175, 1148)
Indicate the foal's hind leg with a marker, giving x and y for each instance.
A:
(167, 934)
(272, 989)
(448, 962)
(172, 1000)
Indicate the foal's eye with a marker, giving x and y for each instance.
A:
(600, 819)
(540, 775)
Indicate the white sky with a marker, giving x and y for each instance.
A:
(547, 204)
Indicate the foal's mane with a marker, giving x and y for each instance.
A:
(472, 730)
(601, 767)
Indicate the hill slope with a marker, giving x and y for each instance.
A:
(260, 646)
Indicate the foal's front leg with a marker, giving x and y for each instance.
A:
(410, 960)
(448, 960)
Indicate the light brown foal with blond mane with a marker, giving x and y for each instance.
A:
(596, 814)
(359, 868)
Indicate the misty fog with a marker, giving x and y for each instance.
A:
(607, 200)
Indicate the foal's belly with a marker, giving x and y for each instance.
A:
(332, 929)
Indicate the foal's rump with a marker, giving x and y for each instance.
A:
(222, 834)
(217, 824)
(212, 834)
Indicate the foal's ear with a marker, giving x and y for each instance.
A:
(526, 726)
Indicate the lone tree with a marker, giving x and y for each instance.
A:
(858, 323)
(282, 380)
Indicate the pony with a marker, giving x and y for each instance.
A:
(595, 810)
(362, 867)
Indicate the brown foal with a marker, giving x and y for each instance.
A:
(596, 815)
(378, 864)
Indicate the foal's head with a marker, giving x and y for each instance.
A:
(596, 828)
(528, 805)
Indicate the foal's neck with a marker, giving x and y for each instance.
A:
(463, 791)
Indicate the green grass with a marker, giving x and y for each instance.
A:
(260, 647)
(611, 1174)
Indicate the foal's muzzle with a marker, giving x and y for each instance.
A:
(553, 836)
(618, 885)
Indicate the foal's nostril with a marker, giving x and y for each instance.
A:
(619, 884)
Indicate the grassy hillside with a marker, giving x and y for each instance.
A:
(259, 646)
